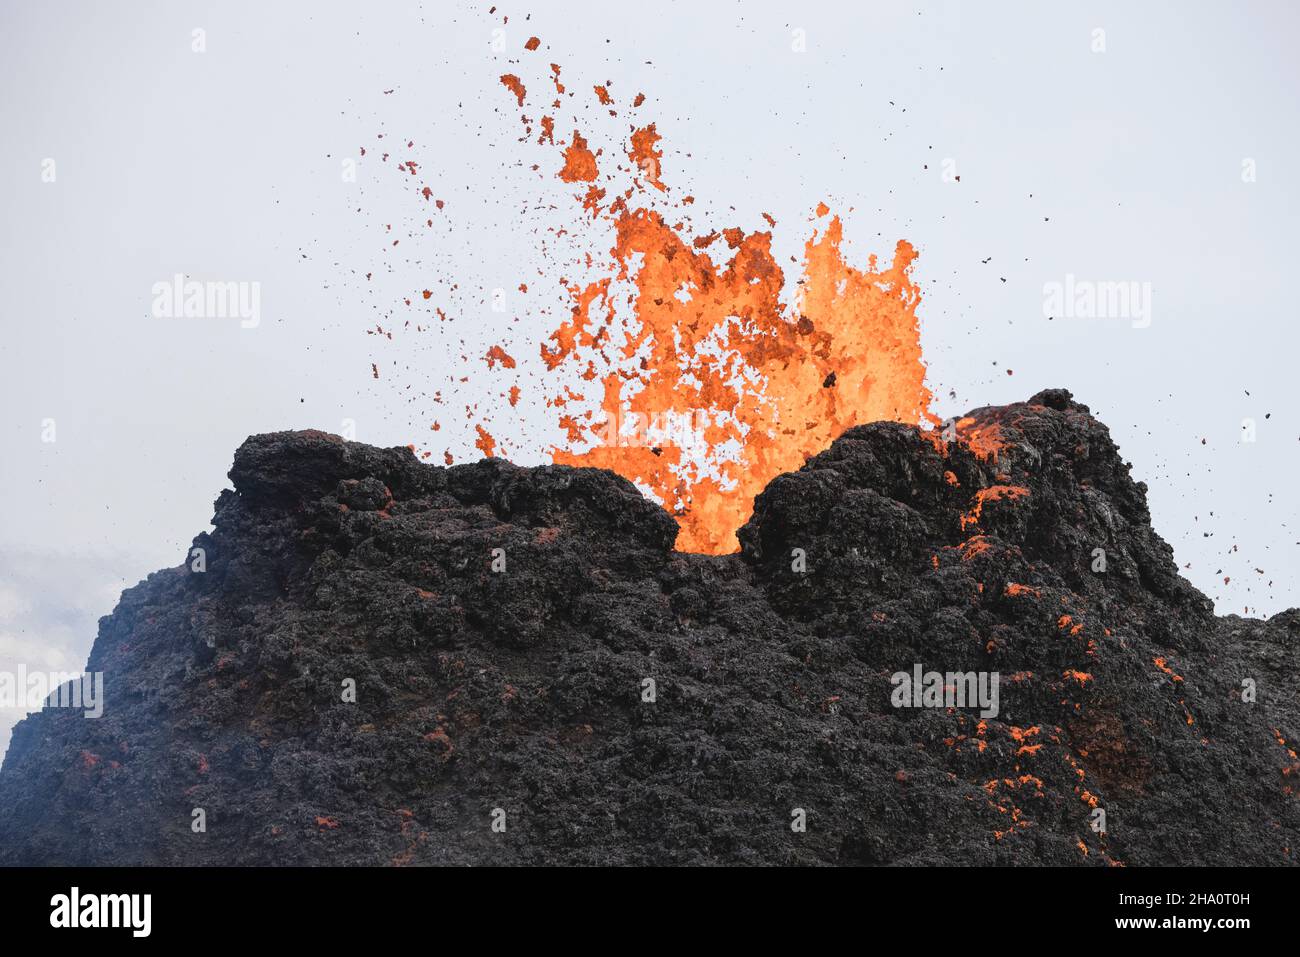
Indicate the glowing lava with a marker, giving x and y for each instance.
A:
(705, 383)
(717, 387)
(684, 359)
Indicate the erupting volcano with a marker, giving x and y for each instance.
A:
(681, 564)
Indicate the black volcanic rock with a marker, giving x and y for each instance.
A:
(522, 689)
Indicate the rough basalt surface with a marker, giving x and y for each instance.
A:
(523, 689)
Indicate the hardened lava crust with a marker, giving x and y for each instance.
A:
(499, 625)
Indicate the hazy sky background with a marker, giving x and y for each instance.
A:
(1117, 165)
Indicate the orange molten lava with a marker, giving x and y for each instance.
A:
(704, 382)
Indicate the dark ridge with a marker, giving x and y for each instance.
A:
(523, 689)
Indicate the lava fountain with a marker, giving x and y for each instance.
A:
(702, 382)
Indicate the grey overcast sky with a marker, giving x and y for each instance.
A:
(1106, 141)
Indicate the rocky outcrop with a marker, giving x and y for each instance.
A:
(387, 662)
